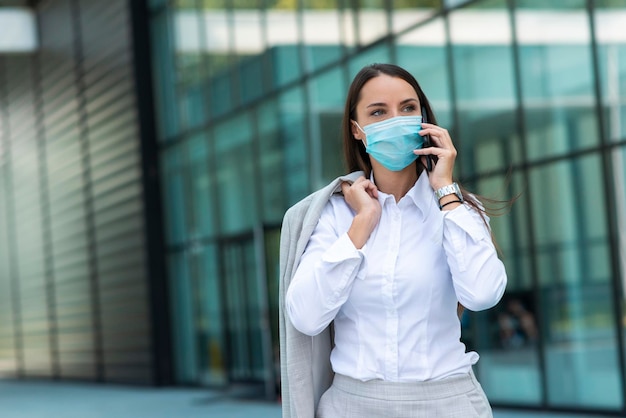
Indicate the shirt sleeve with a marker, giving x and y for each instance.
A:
(478, 275)
(324, 277)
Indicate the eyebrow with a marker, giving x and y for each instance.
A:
(411, 99)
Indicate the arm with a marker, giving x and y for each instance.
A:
(478, 275)
(324, 277)
(332, 260)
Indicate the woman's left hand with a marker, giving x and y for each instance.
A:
(442, 148)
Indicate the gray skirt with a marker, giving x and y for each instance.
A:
(454, 397)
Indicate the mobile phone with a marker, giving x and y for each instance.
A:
(427, 143)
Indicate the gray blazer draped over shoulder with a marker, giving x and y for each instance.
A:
(305, 367)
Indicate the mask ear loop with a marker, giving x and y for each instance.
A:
(364, 140)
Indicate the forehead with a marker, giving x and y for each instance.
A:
(386, 88)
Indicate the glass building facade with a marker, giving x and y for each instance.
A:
(249, 94)
(149, 149)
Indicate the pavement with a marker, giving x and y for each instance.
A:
(36, 399)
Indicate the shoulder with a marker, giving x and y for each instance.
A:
(318, 200)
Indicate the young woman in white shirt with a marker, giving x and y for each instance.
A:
(391, 259)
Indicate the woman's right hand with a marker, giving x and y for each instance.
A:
(362, 197)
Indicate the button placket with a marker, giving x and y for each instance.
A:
(391, 349)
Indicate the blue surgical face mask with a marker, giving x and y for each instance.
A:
(391, 142)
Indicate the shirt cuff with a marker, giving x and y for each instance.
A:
(468, 220)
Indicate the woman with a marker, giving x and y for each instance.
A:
(386, 261)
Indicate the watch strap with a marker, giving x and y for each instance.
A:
(449, 189)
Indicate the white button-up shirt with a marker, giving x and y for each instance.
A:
(394, 301)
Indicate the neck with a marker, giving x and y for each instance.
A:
(396, 183)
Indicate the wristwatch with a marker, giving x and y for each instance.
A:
(450, 189)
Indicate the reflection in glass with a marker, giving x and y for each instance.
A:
(283, 38)
(239, 68)
(322, 32)
(610, 19)
(556, 77)
(210, 324)
(272, 249)
(422, 52)
(271, 160)
(327, 100)
(485, 88)
(164, 77)
(406, 13)
(248, 40)
(202, 187)
(619, 179)
(235, 174)
(577, 308)
(372, 20)
(244, 319)
(184, 333)
(174, 196)
(294, 144)
(187, 33)
(369, 56)
(508, 335)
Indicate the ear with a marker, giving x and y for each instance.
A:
(356, 132)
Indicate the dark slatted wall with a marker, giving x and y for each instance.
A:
(74, 300)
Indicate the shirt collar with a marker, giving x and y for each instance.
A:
(421, 194)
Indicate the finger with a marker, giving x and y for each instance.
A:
(436, 131)
(371, 189)
(436, 151)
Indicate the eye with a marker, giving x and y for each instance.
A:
(409, 108)
(376, 112)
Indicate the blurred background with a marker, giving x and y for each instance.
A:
(149, 148)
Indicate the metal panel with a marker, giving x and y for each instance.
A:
(72, 190)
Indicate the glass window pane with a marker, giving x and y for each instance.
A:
(556, 77)
(213, 367)
(406, 13)
(252, 80)
(182, 311)
(327, 98)
(486, 135)
(296, 163)
(369, 56)
(619, 180)
(507, 336)
(164, 77)
(248, 22)
(322, 32)
(235, 174)
(372, 21)
(202, 188)
(218, 41)
(572, 251)
(188, 45)
(245, 303)
(271, 157)
(157, 4)
(610, 19)
(283, 37)
(422, 52)
(174, 195)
